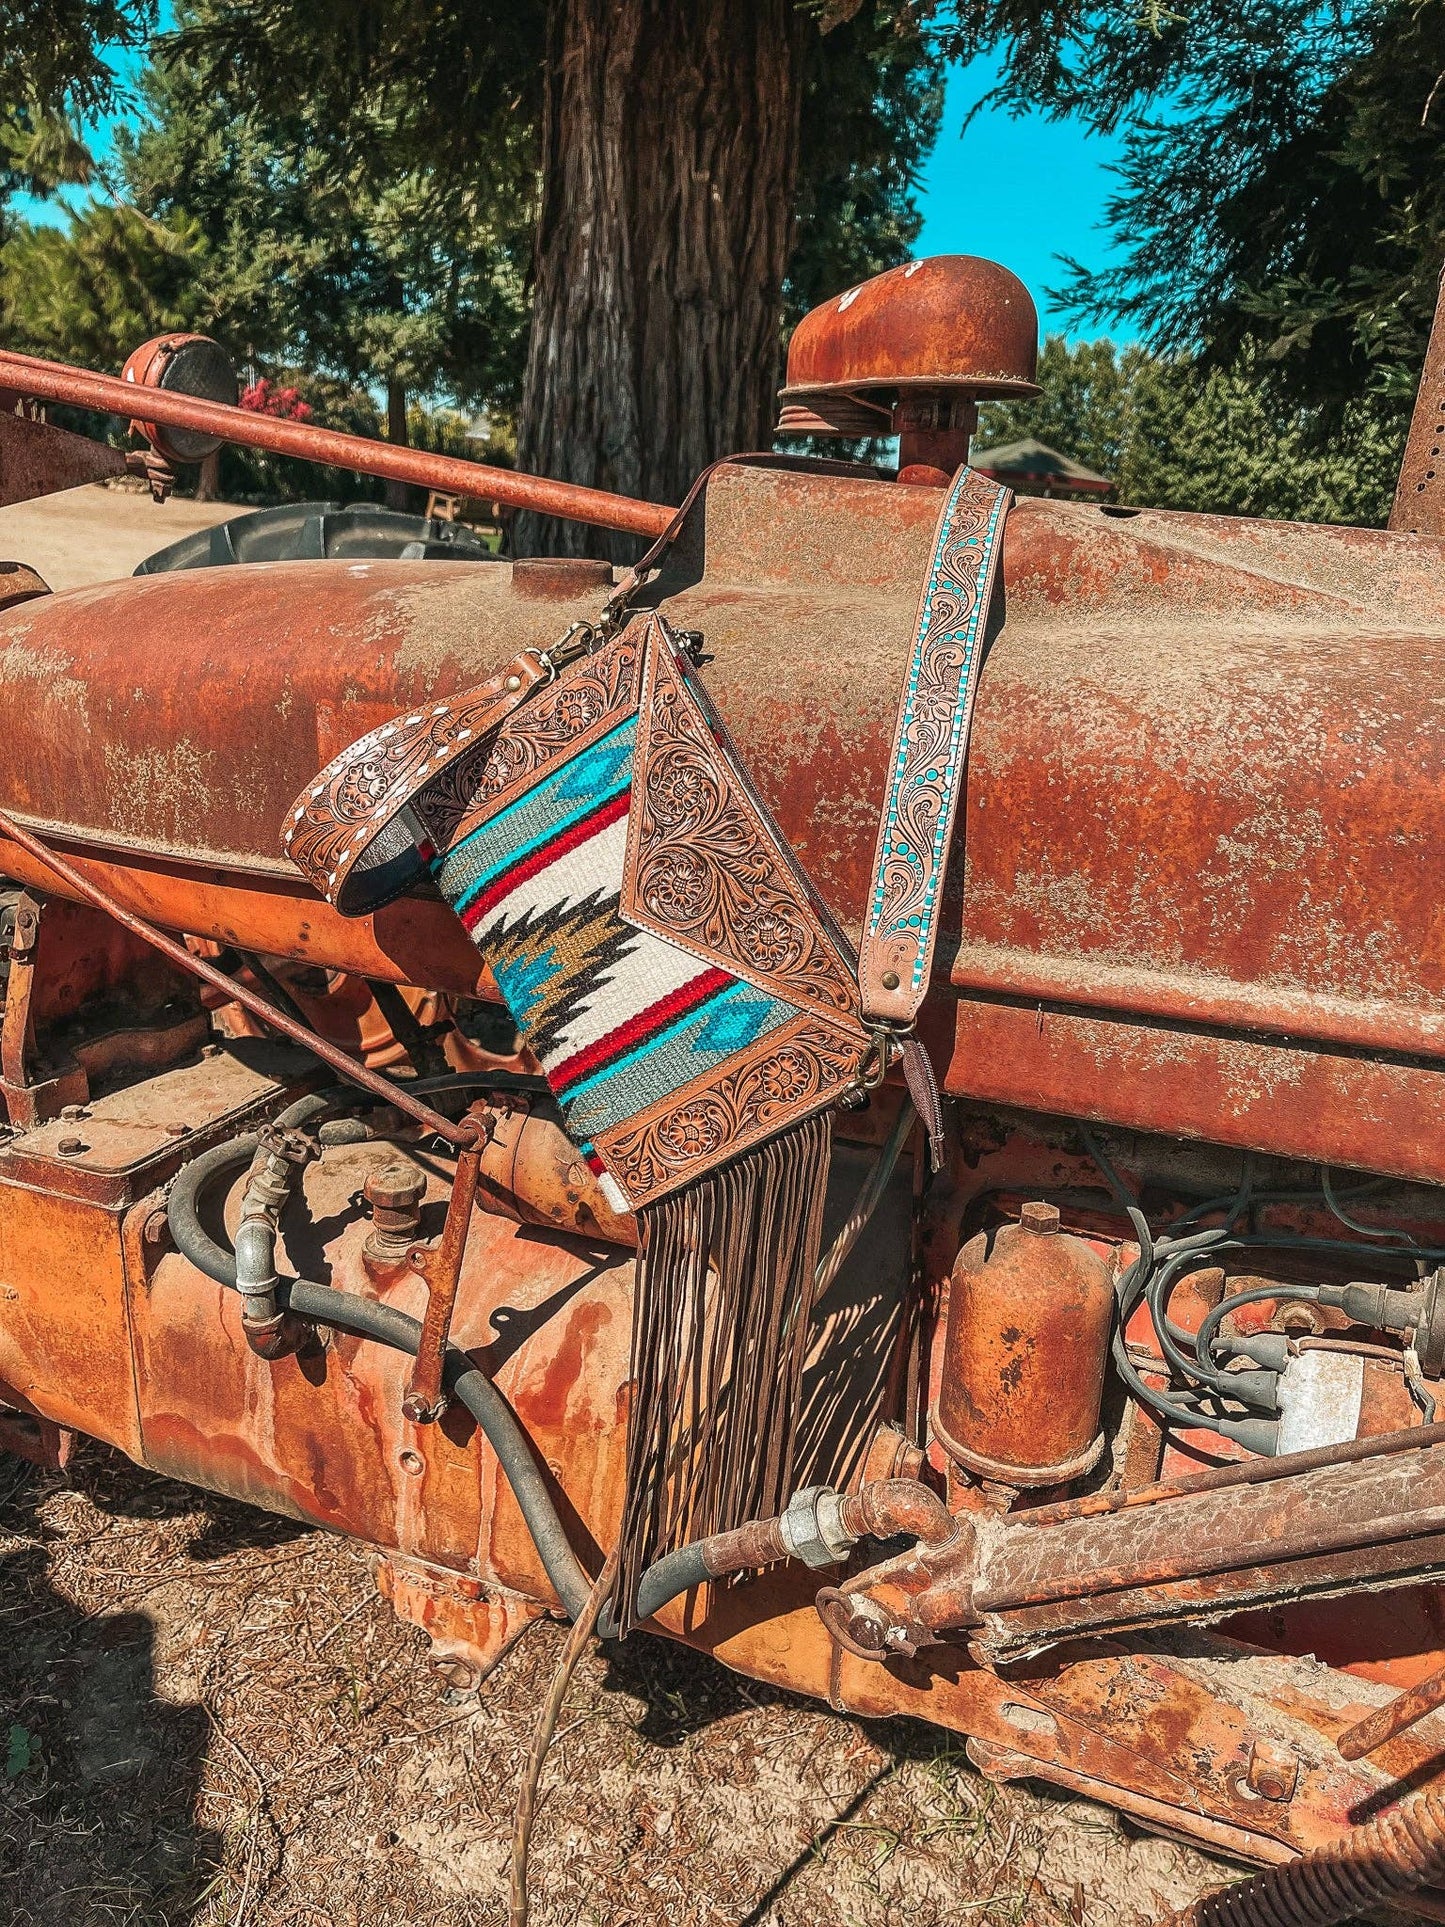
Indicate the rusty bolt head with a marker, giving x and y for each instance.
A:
(398, 1188)
(156, 1229)
(1040, 1217)
(178, 1130)
(1273, 1771)
(210, 1050)
(72, 1113)
(71, 1147)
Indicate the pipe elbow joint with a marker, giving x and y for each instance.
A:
(901, 1508)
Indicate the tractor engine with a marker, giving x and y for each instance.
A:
(1118, 1448)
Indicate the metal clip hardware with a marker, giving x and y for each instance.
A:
(883, 1043)
(580, 640)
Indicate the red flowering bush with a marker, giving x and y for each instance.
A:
(263, 397)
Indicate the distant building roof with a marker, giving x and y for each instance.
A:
(1034, 464)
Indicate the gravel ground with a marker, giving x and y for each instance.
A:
(98, 533)
(212, 1718)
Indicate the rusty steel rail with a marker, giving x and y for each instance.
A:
(459, 1135)
(1198, 1554)
(1397, 1716)
(570, 501)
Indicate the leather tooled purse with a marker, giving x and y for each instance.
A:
(695, 1009)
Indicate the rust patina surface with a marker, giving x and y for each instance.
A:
(1203, 800)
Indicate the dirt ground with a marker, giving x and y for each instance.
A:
(97, 533)
(211, 1718)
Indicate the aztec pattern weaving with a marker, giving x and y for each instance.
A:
(669, 1046)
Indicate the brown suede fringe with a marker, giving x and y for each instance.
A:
(719, 1336)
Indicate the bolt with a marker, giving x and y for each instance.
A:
(178, 1130)
(398, 1188)
(210, 1050)
(1273, 1771)
(1042, 1218)
(156, 1228)
(71, 1147)
(73, 1112)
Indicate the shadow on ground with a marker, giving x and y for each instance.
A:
(100, 1774)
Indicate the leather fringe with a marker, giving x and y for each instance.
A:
(719, 1337)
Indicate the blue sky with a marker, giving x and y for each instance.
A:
(1023, 191)
(1019, 191)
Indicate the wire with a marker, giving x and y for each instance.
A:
(1353, 1224)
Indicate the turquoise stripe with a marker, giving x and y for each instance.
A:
(538, 826)
(654, 1042)
(664, 1064)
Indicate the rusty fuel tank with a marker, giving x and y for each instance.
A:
(1026, 1345)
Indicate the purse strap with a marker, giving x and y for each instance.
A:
(345, 832)
(926, 764)
(929, 752)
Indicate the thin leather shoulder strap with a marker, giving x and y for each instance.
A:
(930, 748)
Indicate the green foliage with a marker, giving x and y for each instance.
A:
(57, 69)
(1283, 192)
(94, 293)
(1173, 433)
(328, 245)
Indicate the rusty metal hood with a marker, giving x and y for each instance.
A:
(1208, 759)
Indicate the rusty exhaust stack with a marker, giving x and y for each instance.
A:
(1419, 505)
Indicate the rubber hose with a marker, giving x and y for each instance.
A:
(183, 1206)
(1385, 1859)
(367, 1319)
(671, 1576)
(196, 1177)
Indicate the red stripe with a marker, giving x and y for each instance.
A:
(656, 1017)
(548, 853)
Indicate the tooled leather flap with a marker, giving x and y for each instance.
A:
(930, 746)
(345, 832)
(706, 867)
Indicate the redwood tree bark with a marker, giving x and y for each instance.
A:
(670, 155)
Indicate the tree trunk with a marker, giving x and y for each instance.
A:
(396, 496)
(670, 154)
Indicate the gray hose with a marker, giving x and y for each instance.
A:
(183, 1206)
(498, 1422)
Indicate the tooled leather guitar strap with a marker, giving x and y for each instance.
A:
(925, 779)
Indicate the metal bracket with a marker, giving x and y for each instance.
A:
(440, 1264)
(33, 1089)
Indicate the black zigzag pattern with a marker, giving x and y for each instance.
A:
(590, 940)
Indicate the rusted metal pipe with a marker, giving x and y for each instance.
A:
(1388, 1721)
(441, 1266)
(1223, 1478)
(1419, 504)
(1196, 1556)
(54, 381)
(460, 1135)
